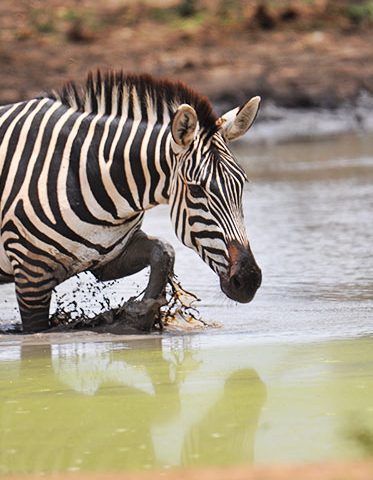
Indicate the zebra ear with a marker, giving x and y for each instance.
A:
(236, 122)
(184, 125)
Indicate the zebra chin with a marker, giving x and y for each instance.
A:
(244, 277)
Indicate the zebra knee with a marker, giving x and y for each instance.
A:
(162, 255)
(161, 263)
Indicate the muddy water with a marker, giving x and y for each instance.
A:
(287, 378)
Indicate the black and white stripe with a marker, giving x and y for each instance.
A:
(206, 201)
(79, 168)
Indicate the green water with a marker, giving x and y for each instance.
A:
(182, 401)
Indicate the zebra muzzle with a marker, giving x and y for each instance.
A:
(244, 277)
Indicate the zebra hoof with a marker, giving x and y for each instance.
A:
(38, 326)
(142, 315)
(131, 318)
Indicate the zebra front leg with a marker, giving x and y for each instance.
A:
(143, 251)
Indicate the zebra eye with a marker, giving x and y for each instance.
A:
(196, 190)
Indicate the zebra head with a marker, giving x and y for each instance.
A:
(206, 196)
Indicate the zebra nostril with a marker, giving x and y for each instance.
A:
(241, 286)
(236, 282)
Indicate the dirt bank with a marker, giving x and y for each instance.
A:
(293, 63)
(361, 471)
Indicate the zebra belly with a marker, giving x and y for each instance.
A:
(65, 255)
(87, 259)
(5, 265)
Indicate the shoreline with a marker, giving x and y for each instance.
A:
(289, 125)
(327, 471)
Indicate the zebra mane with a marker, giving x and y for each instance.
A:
(112, 92)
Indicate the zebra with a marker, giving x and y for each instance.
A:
(80, 166)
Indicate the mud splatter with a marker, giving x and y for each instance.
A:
(176, 311)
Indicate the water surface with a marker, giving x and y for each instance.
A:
(177, 402)
(287, 378)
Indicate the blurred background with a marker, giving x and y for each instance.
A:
(295, 53)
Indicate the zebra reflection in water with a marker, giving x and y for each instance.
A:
(160, 402)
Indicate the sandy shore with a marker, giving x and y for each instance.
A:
(356, 471)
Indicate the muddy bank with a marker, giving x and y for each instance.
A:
(292, 65)
(360, 471)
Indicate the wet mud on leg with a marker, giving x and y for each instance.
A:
(141, 252)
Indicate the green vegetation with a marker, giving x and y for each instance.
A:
(188, 8)
(76, 24)
(360, 13)
(179, 17)
(69, 15)
(84, 21)
(264, 14)
(42, 20)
